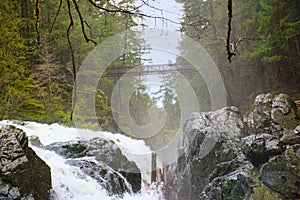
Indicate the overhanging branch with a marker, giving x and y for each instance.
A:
(71, 24)
(229, 52)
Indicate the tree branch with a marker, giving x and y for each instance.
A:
(82, 22)
(57, 13)
(131, 12)
(71, 24)
(229, 9)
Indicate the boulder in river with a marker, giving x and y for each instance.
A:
(108, 158)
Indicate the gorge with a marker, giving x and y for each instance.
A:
(225, 155)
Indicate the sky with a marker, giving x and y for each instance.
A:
(170, 10)
(167, 9)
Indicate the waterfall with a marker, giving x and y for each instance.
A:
(70, 182)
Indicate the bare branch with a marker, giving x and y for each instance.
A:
(57, 13)
(131, 12)
(71, 24)
(82, 22)
(235, 44)
(229, 53)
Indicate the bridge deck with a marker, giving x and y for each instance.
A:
(148, 69)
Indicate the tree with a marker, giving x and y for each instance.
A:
(264, 38)
(16, 83)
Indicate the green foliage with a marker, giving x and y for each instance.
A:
(277, 29)
(16, 83)
(36, 65)
(263, 193)
(265, 37)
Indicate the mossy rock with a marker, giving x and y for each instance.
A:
(282, 173)
(263, 193)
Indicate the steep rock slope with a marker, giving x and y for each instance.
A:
(23, 175)
(228, 156)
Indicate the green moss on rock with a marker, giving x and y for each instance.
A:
(263, 193)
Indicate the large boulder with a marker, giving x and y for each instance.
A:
(109, 155)
(23, 174)
(210, 154)
(272, 114)
(282, 173)
(113, 182)
(271, 126)
(228, 156)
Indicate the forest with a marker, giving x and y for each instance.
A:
(43, 43)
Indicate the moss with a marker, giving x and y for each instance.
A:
(253, 173)
(285, 96)
(263, 193)
(103, 172)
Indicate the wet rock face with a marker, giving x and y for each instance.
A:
(228, 156)
(272, 125)
(284, 112)
(113, 182)
(107, 153)
(23, 174)
(210, 154)
(272, 114)
(203, 130)
(282, 173)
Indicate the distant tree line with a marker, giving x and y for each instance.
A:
(264, 42)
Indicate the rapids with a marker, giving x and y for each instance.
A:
(69, 182)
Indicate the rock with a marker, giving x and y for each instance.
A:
(23, 174)
(289, 138)
(35, 141)
(259, 120)
(210, 153)
(227, 156)
(284, 112)
(272, 114)
(271, 125)
(260, 148)
(282, 173)
(102, 151)
(297, 130)
(209, 127)
(235, 185)
(113, 182)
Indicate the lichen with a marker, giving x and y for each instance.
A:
(263, 193)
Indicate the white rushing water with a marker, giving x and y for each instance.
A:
(68, 182)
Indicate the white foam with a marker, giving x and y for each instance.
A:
(68, 182)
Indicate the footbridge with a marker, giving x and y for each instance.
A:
(117, 72)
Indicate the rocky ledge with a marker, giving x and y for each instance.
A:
(229, 156)
(23, 175)
(109, 167)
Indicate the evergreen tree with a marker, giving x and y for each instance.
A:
(264, 38)
(16, 82)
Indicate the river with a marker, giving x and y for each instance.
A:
(69, 182)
